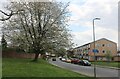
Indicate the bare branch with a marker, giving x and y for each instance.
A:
(60, 14)
(9, 15)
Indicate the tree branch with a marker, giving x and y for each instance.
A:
(9, 15)
(60, 14)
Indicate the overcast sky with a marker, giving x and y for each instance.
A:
(84, 11)
(82, 14)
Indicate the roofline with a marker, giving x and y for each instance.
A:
(105, 39)
(95, 41)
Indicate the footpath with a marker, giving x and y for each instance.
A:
(107, 67)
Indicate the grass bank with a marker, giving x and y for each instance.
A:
(110, 64)
(25, 68)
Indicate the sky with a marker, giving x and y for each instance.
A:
(82, 14)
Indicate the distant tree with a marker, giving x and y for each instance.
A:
(108, 55)
(3, 42)
(38, 27)
(70, 53)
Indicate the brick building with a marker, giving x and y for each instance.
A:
(103, 47)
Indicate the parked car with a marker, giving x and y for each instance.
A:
(63, 59)
(84, 63)
(68, 60)
(75, 60)
(53, 59)
(60, 58)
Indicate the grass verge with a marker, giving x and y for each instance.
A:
(110, 64)
(24, 68)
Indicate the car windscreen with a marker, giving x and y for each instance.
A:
(86, 61)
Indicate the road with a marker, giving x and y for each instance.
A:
(86, 70)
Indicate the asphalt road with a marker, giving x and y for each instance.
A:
(87, 70)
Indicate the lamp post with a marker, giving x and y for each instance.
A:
(94, 45)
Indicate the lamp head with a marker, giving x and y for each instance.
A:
(96, 18)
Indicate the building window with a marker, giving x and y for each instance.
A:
(103, 51)
(109, 45)
(98, 45)
(103, 45)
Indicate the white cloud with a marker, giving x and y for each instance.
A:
(94, 8)
(107, 33)
(83, 15)
(81, 38)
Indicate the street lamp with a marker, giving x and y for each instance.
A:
(94, 45)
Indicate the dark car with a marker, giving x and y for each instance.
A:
(84, 63)
(53, 59)
(75, 60)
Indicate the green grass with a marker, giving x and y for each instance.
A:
(110, 64)
(0, 67)
(25, 68)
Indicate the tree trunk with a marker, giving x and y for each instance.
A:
(36, 57)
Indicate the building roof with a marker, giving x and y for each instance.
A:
(95, 41)
(104, 39)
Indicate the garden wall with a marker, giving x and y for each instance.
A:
(17, 55)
